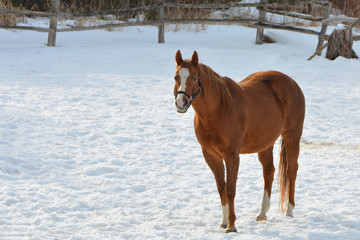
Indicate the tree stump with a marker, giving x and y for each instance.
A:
(340, 44)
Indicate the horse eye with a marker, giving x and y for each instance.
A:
(195, 79)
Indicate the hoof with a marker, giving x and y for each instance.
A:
(261, 218)
(223, 226)
(231, 229)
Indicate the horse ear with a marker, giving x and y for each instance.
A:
(195, 58)
(178, 58)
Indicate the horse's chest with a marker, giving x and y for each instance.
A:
(210, 138)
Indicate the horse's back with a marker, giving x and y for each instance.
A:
(282, 87)
(275, 79)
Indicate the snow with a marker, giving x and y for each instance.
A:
(340, 27)
(92, 147)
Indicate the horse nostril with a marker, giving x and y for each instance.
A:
(185, 102)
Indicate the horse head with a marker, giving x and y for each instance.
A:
(187, 81)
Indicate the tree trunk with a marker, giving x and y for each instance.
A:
(340, 44)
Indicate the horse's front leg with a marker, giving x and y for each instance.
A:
(216, 165)
(232, 167)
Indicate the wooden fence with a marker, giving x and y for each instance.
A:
(260, 22)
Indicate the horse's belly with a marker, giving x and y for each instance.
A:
(257, 146)
(262, 137)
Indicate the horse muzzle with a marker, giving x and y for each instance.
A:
(182, 105)
(182, 110)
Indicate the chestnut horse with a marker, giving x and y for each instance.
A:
(248, 117)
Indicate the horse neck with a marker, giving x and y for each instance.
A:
(211, 98)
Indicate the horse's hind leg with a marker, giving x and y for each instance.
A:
(266, 160)
(292, 146)
(217, 167)
(292, 153)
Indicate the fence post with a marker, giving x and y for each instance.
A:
(323, 30)
(55, 5)
(161, 17)
(260, 29)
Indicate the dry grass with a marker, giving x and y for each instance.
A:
(348, 7)
(10, 19)
(186, 27)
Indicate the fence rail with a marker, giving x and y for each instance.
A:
(259, 22)
(26, 12)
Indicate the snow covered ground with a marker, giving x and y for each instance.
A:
(91, 146)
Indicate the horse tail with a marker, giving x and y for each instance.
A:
(282, 177)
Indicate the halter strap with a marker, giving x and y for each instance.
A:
(192, 97)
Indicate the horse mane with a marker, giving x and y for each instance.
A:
(215, 86)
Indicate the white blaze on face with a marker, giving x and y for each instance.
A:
(183, 74)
